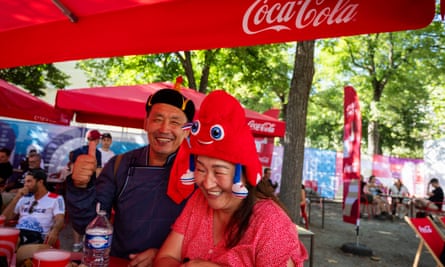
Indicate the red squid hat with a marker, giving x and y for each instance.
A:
(221, 131)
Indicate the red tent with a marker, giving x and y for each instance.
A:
(44, 31)
(125, 106)
(18, 104)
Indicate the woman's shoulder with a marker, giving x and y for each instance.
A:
(265, 209)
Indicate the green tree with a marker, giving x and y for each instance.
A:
(392, 73)
(258, 76)
(37, 78)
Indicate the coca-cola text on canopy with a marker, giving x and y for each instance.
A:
(264, 15)
(265, 127)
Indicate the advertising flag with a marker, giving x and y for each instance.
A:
(351, 156)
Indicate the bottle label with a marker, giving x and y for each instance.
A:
(98, 241)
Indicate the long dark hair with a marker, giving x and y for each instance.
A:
(240, 220)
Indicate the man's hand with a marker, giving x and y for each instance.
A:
(52, 237)
(143, 259)
(84, 167)
(22, 192)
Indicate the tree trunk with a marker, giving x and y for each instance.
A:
(186, 62)
(290, 192)
(373, 138)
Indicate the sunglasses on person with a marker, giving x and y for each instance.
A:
(31, 208)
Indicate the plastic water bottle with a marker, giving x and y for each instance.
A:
(97, 241)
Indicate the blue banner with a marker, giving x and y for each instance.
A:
(54, 142)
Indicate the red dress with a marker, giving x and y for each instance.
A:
(270, 240)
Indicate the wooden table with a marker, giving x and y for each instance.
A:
(303, 232)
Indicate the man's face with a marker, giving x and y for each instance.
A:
(267, 174)
(106, 142)
(3, 157)
(164, 130)
(34, 162)
(31, 183)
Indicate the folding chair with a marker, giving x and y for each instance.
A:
(429, 235)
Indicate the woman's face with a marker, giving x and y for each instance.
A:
(215, 179)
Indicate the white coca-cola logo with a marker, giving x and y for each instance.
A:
(264, 15)
(265, 127)
(425, 229)
(41, 118)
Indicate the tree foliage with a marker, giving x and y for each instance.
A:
(393, 74)
(258, 76)
(37, 78)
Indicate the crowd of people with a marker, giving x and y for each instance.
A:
(396, 200)
(29, 203)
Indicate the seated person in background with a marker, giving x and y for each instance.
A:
(267, 181)
(267, 173)
(375, 190)
(24, 163)
(6, 169)
(435, 197)
(230, 221)
(398, 192)
(40, 213)
(34, 163)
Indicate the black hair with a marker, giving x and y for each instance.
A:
(434, 180)
(240, 220)
(38, 174)
(6, 150)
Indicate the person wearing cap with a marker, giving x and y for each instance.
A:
(91, 136)
(105, 144)
(233, 220)
(136, 184)
(41, 214)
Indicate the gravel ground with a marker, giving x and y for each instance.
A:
(393, 243)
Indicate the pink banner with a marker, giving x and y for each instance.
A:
(351, 156)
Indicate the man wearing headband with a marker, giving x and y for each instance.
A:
(232, 220)
(135, 184)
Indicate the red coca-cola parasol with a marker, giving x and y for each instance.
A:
(125, 106)
(18, 104)
(43, 31)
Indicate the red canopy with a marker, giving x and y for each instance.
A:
(18, 104)
(125, 106)
(37, 31)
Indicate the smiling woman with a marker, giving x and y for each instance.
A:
(233, 220)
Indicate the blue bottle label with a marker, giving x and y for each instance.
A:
(98, 241)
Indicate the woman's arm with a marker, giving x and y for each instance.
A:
(170, 252)
(366, 189)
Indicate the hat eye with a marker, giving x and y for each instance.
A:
(217, 132)
(196, 126)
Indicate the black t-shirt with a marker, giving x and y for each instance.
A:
(437, 197)
(5, 171)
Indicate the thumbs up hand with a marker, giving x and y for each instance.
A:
(85, 166)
